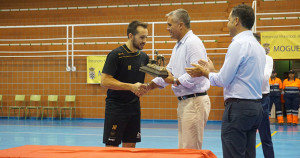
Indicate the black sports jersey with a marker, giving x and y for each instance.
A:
(124, 66)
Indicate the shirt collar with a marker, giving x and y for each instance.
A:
(128, 50)
(185, 36)
(242, 34)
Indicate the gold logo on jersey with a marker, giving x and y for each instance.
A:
(129, 67)
(114, 127)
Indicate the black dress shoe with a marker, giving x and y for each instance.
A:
(280, 124)
(295, 124)
(289, 124)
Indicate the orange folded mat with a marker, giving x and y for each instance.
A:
(54, 151)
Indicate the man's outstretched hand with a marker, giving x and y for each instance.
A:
(139, 89)
(203, 68)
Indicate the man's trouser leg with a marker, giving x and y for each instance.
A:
(288, 108)
(272, 100)
(265, 131)
(295, 107)
(279, 114)
(192, 117)
(239, 124)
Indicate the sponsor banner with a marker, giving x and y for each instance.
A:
(94, 69)
(282, 44)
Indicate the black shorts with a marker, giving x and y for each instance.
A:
(120, 128)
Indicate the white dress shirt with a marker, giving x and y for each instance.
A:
(267, 75)
(189, 49)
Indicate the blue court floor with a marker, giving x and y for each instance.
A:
(155, 134)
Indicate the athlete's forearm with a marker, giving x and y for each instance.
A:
(107, 81)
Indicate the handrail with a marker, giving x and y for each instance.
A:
(279, 13)
(86, 43)
(67, 48)
(153, 41)
(104, 24)
(36, 56)
(48, 39)
(31, 26)
(114, 6)
(33, 52)
(73, 67)
(278, 26)
(108, 37)
(281, 18)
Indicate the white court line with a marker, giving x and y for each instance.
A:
(99, 134)
(62, 126)
(47, 133)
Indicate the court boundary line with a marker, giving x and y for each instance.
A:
(259, 144)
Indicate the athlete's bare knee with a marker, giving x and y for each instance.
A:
(128, 145)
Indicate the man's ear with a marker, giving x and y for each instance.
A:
(181, 25)
(236, 21)
(130, 35)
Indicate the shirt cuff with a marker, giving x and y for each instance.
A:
(160, 82)
(211, 76)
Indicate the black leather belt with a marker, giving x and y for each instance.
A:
(265, 95)
(191, 95)
(237, 100)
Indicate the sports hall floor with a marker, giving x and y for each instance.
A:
(155, 134)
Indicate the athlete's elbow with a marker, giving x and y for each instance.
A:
(104, 83)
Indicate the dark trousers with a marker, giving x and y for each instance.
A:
(264, 129)
(276, 100)
(291, 101)
(240, 121)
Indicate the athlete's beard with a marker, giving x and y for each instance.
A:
(136, 45)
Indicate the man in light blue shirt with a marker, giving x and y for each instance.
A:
(241, 76)
(194, 103)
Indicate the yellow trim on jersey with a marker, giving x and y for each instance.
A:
(130, 52)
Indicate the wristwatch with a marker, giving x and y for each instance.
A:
(175, 82)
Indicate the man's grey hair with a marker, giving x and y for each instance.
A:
(181, 15)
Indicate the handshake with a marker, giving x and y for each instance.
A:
(140, 89)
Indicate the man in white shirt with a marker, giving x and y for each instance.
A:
(193, 101)
(264, 127)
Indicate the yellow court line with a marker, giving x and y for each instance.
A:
(260, 142)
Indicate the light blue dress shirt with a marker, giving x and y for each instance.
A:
(243, 70)
(188, 50)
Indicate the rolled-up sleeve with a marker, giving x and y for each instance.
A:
(160, 82)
